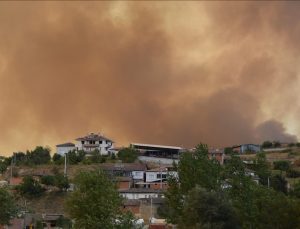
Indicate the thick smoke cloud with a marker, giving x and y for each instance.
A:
(167, 73)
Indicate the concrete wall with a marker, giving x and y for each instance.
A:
(163, 161)
(63, 150)
(138, 175)
(136, 196)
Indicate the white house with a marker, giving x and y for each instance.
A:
(62, 149)
(92, 142)
(159, 174)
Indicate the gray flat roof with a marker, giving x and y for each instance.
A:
(157, 146)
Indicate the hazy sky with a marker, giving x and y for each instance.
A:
(175, 73)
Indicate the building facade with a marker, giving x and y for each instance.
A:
(247, 148)
(62, 149)
(92, 142)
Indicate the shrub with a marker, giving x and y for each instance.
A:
(267, 144)
(292, 173)
(282, 165)
(48, 180)
(128, 155)
(30, 187)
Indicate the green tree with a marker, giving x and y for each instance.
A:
(95, 203)
(292, 144)
(228, 150)
(127, 155)
(235, 202)
(267, 144)
(61, 181)
(3, 167)
(80, 155)
(206, 172)
(40, 155)
(279, 183)
(57, 159)
(261, 168)
(174, 201)
(30, 187)
(276, 144)
(241, 191)
(7, 206)
(72, 157)
(48, 180)
(96, 156)
(292, 173)
(193, 169)
(296, 190)
(282, 165)
(204, 209)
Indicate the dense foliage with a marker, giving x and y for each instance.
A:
(207, 195)
(282, 165)
(7, 206)
(30, 187)
(127, 155)
(40, 155)
(95, 203)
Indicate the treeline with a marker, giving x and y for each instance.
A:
(41, 155)
(277, 144)
(208, 195)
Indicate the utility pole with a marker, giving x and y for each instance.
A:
(65, 170)
(151, 211)
(160, 175)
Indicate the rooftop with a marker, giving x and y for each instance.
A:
(93, 137)
(156, 146)
(140, 190)
(68, 144)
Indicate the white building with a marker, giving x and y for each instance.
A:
(62, 149)
(159, 174)
(140, 193)
(93, 142)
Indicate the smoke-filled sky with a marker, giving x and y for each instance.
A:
(175, 73)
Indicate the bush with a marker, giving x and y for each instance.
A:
(296, 190)
(279, 183)
(61, 182)
(30, 187)
(128, 155)
(282, 165)
(57, 159)
(292, 173)
(267, 144)
(276, 144)
(292, 144)
(48, 180)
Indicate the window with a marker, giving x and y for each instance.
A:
(164, 176)
(100, 142)
(82, 142)
(151, 176)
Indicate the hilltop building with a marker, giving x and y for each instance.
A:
(64, 148)
(162, 151)
(93, 142)
(247, 148)
(88, 144)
